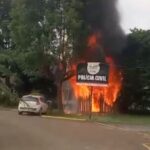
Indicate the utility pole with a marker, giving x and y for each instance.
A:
(90, 102)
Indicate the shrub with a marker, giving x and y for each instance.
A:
(7, 97)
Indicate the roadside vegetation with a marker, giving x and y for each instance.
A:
(38, 39)
(114, 118)
(123, 119)
(7, 98)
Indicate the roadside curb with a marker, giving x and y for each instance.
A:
(64, 118)
(146, 145)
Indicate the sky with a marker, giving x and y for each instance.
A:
(134, 13)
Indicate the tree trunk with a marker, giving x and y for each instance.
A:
(59, 97)
(7, 81)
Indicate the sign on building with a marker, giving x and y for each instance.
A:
(93, 74)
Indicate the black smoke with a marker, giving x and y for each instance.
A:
(101, 16)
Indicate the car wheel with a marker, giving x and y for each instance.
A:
(19, 112)
(40, 112)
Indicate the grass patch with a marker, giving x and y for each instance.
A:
(56, 113)
(122, 119)
(107, 118)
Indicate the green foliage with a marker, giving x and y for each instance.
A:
(5, 64)
(7, 98)
(136, 90)
(25, 28)
(46, 29)
(123, 119)
(5, 7)
(38, 35)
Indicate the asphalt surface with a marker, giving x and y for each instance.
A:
(37, 133)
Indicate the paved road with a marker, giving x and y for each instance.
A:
(36, 133)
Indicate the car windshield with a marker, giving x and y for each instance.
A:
(29, 98)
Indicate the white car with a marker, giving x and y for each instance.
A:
(32, 104)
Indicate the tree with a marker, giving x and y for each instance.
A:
(136, 89)
(64, 22)
(26, 23)
(44, 33)
(5, 40)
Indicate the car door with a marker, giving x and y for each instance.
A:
(44, 104)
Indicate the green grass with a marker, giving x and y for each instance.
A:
(108, 118)
(123, 119)
(56, 113)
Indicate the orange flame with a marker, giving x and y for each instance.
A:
(94, 41)
(103, 98)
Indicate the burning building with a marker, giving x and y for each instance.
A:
(104, 44)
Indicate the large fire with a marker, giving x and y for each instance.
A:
(103, 97)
